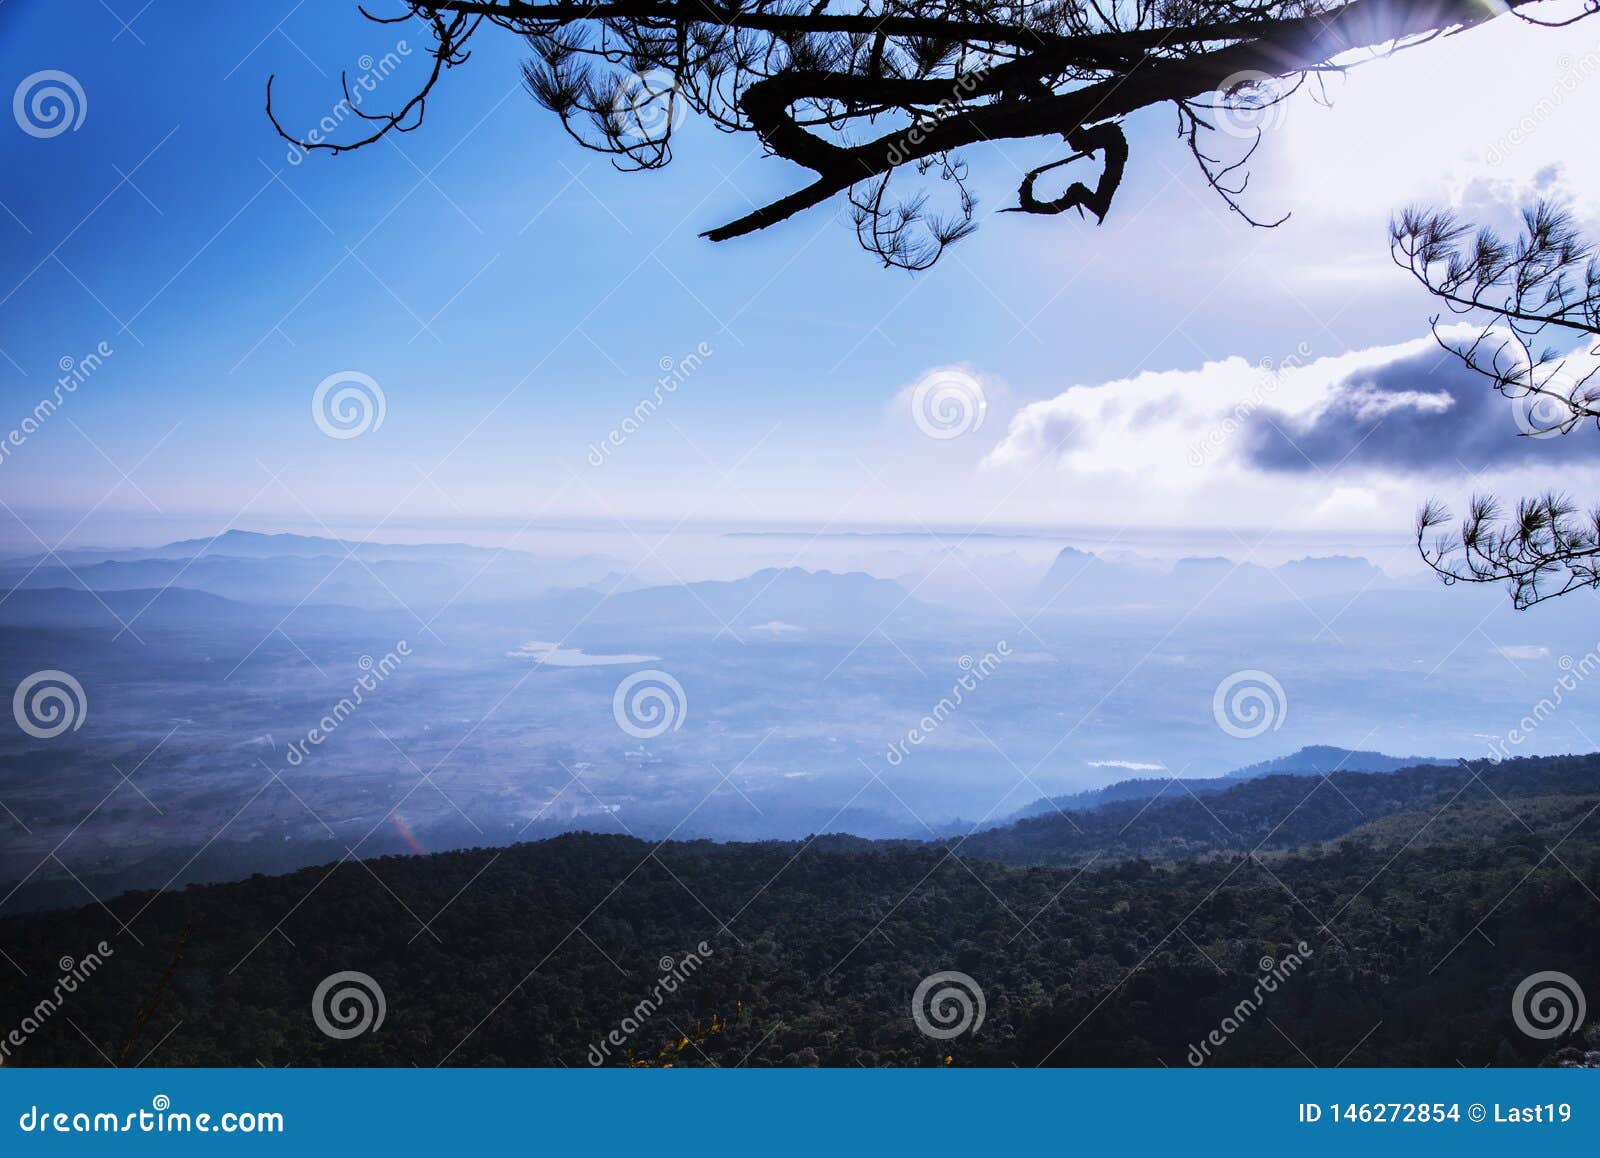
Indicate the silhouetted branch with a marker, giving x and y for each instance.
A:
(1546, 277)
(449, 49)
(1546, 549)
(1107, 139)
(857, 90)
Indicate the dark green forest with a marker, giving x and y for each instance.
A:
(1117, 936)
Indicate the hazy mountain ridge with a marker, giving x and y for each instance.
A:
(241, 544)
(285, 568)
(1273, 812)
(289, 570)
(800, 683)
(275, 571)
(811, 600)
(1310, 760)
(1325, 758)
(1078, 579)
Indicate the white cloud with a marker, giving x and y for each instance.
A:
(1127, 765)
(1226, 444)
(1164, 424)
(956, 404)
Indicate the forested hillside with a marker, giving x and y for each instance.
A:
(1406, 948)
(1273, 812)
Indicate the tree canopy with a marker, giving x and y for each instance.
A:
(1541, 286)
(1411, 903)
(864, 92)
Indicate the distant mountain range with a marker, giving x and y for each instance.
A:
(60, 607)
(1079, 579)
(1273, 810)
(775, 603)
(236, 544)
(242, 575)
(291, 569)
(288, 570)
(1323, 758)
(1312, 760)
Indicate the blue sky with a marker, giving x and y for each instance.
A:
(514, 296)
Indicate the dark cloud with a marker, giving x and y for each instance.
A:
(1424, 412)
